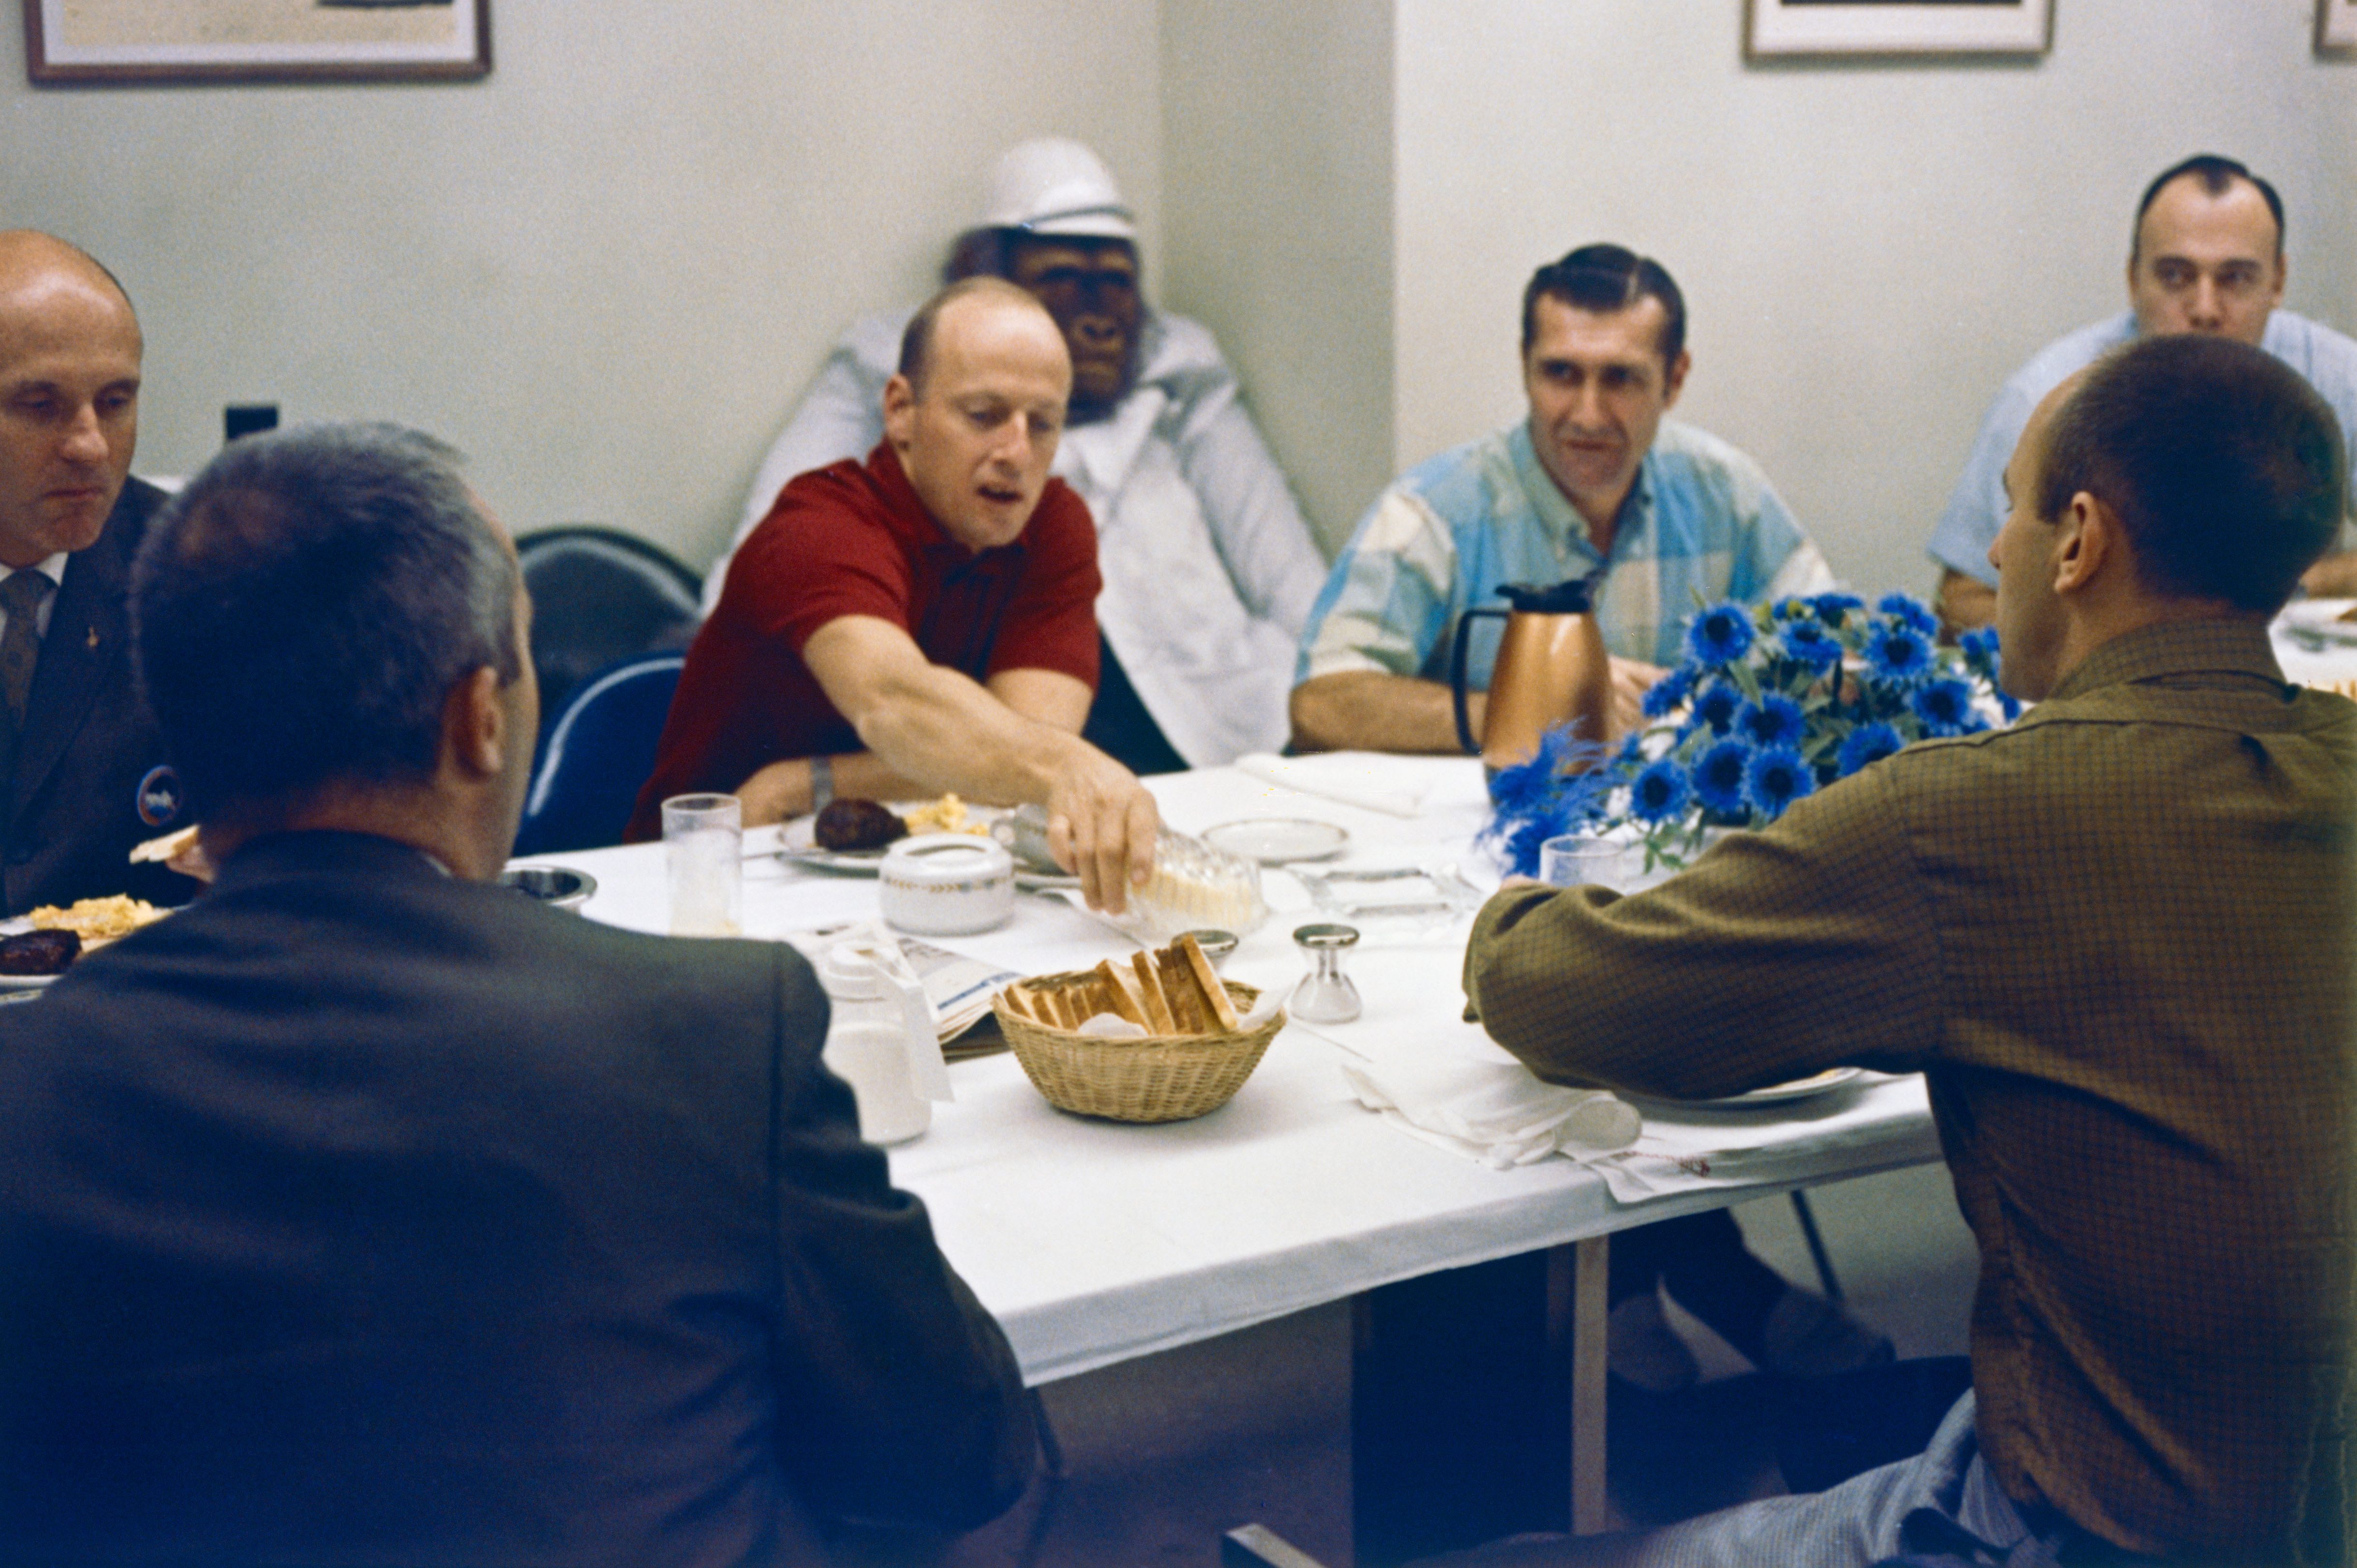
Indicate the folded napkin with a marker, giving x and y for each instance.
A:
(1684, 1149)
(1362, 779)
(1492, 1111)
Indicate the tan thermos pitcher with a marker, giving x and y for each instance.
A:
(1551, 670)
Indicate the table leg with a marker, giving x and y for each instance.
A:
(1586, 1268)
(1477, 1406)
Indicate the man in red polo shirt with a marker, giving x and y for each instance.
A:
(923, 621)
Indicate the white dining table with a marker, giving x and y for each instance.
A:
(1093, 1241)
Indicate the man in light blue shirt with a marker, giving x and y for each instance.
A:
(2206, 256)
(1595, 483)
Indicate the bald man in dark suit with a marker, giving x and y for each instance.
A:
(81, 774)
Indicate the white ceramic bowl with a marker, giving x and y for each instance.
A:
(946, 885)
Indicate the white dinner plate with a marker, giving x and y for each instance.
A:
(797, 846)
(1278, 840)
(2321, 619)
(1825, 1082)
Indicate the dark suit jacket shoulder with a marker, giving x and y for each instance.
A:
(356, 1208)
(68, 805)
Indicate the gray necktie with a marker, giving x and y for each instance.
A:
(20, 645)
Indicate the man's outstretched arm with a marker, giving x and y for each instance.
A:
(936, 729)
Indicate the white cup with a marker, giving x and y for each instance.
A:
(704, 852)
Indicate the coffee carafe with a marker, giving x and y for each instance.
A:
(1551, 670)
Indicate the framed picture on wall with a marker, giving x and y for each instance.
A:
(2336, 24)
(1775, 28)
(73, 41)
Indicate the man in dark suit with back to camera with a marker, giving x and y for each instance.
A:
(82, 778)
(366, 1211)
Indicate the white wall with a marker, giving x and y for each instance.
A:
(1276, 140)
(1866, 250)
(607, 270)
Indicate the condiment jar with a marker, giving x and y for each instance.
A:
(868, 1045)
(946, 885)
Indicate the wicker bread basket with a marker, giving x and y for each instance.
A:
(1162, 1078)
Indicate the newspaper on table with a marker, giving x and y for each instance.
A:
(958, 989)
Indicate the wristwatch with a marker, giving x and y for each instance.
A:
(822, 772)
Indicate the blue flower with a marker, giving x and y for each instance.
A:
(1719, 634)
(1807, 642)
(1774, 720)
(1867, 743)
(1558, 789)
(1831, 607)
(2008, 707)
(1911, 610)
(1666, 693)
(1897, 653)
(1980, 649)
(1716, 707)
(1660, 793)
(1718, 777)
(1632, 752)
(1523, 841)
(1776, 779)
(1944, 706)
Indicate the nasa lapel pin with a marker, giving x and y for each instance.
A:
(160, 797)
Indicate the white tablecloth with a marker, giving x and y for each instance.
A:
(1093, 1241)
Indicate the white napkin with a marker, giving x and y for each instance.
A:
(1363, 778)
(1686, 1149)
(1491, 1111)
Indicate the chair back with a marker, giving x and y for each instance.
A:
(599, 595)
(596, 755)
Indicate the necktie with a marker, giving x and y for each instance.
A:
(20, 645)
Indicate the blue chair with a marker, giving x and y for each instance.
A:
(596, 755)
(600, 595)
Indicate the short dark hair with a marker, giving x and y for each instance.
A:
(2226, 468)
(1602, 279)
(303, 609)
(916, 337)
(2217, 176)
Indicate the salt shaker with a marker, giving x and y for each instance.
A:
(1325, 994)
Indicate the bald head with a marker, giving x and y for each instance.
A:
(70, 352)
(977, 408)
(32, 256)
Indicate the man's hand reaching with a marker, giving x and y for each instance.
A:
(1101, 827)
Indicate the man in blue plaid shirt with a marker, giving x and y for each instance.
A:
(1595, 484)
(1666, 518)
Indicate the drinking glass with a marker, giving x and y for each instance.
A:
(1579, 860)
(704, 850)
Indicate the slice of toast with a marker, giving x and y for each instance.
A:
(1216, 1000)
(1121, 981)
(1187, 1009)
(1158, 1017)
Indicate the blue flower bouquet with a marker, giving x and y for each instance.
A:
(1772, 703)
